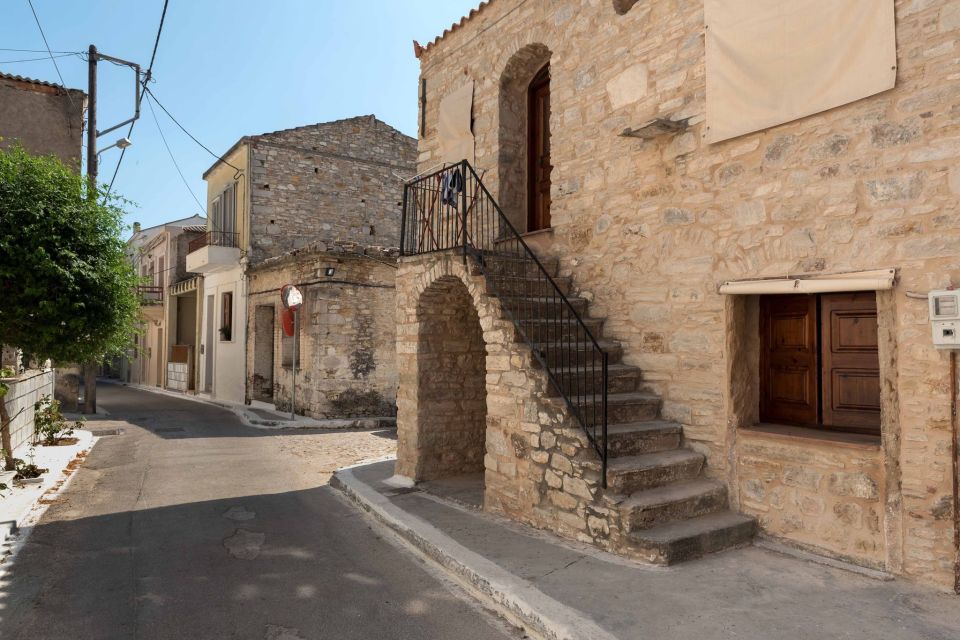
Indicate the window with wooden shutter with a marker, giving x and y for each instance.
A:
(226, 322)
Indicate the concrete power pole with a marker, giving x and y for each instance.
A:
(90, 368)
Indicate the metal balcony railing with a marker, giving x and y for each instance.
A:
(445, 211)
(150, 293)
(214, 239)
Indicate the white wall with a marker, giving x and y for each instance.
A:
(229, 356)
(30, 387)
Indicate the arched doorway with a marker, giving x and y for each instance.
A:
(523, 139)
(451, 386)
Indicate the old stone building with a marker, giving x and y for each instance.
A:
(346, 350)
(275, 193)
(46, 118)
(760, 291)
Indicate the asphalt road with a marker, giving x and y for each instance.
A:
(190, 525)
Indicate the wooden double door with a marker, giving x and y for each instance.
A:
(819, 364)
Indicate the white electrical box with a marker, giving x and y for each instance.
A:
(945, 318)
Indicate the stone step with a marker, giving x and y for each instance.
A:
(636, 406)
(672, 502)
(551, 330)
(688, 539)
(637, 438)
(628, 474)
(564, 354)
(527, 284)
(526, 307)
(508, 263)
(621, 378)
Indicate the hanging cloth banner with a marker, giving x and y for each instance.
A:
(773, 61)
(454, 127)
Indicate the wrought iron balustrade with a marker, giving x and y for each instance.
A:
(451, 209)
(150, 293)
(214, 239)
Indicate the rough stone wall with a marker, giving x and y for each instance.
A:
(347, 340)
(333, 181)
(648, 229)
(45, 119)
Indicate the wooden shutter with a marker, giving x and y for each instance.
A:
(851, 363)
(789, 389)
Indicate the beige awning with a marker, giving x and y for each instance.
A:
(773, 61)
(876, 280)
(453, 127)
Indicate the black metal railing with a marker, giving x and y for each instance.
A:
(451, 209)
(150, 293)
(214, 238)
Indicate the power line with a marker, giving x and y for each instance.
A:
(39, 51)
(62, 55)
(146, 79)
(192, 137)
(73, 107)
(174, 160)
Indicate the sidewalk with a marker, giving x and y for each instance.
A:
(263, 416)
(559, 589)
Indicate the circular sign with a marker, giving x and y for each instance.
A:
(291, 297)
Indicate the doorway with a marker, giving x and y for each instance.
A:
(819, 361)
(160, 357)
(208, 349)
(263, 350)
(538, 152)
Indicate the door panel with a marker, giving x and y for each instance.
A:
(851, 363)
(789, 385)
(538, 153)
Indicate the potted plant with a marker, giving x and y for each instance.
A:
(225, 333)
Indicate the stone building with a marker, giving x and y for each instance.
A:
(169, 306)
(760, 290)
(277, 192)
(346, 351)
(46, 118)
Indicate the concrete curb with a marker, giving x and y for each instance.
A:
(514, 598)
(250, 419)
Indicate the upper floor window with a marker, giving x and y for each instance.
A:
(223, 211)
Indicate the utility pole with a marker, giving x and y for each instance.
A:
(90, 368)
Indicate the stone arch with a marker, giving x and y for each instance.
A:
(512, 145)
(451, 417)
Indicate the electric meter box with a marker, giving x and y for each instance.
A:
(945, 318)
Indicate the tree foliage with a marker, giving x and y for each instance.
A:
(67, 291)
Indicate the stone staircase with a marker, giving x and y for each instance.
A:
(668, 510)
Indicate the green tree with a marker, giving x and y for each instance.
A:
(67, 291)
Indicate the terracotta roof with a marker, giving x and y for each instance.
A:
(41, 83)
(419, 49)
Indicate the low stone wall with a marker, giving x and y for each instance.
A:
(816, 493)
(178, 376)
(24, 391)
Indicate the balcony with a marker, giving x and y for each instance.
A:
(150, 294)
(213, 251)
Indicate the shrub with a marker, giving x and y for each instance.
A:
(49, 425)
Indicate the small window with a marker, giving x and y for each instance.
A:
(423, 107)
(226, 321)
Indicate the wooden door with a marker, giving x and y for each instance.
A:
(851, 363)
(538, 153)
(789, 385)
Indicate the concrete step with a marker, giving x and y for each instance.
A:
(583, 353)
(673, 502)
(688, 539)
(551, 329)
(621, 378)
(637, 406)
(637, 438)
(628, 474)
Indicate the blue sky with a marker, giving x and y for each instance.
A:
(225, 69)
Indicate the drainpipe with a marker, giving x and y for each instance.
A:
(956, 478)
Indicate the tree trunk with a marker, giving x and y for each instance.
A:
(5, 441)
(90, 388)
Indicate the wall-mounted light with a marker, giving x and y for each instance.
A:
(329, 271)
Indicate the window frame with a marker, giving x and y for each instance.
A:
(226, 317)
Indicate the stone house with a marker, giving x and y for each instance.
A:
(168, 309)
(278, 192)
(752, 289)
(46, 118)
(346, 351)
